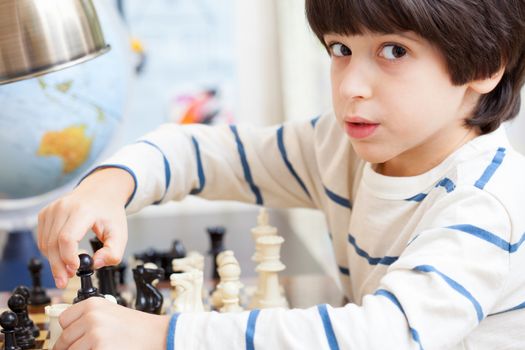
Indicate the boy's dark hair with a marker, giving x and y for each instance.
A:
(476, 37)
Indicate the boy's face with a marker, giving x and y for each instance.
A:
(394, 98)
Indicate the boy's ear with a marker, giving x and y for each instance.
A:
(484, 86)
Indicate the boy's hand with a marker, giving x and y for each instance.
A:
(97, 323)
(97, 204)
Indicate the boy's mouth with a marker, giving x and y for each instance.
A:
(359, 128)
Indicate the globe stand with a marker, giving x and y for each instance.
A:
(20, 247)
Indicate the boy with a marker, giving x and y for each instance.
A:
(422, 192)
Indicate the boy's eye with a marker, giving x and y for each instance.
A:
(392, 52)
(340, 50)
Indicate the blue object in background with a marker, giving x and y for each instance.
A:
(19, 249)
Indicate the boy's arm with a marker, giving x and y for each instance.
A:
(267, 166)
(432, 297)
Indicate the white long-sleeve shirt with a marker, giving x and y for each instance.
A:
(433, 261)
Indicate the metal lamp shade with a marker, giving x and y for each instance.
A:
(42, 36)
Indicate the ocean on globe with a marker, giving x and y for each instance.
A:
(53, 128)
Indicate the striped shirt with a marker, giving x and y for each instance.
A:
(433, 261)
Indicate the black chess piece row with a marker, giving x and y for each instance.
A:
(19, 330)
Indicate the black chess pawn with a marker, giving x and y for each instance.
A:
(106, 276)
(8, 321)
(24, 291)
(216, 235)
(85, 271)
(148, 298)
(38, 295)
(23, 330)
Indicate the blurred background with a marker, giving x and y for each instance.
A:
(233, 61)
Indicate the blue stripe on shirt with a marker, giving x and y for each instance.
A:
(447, 184)
(246, 166)
(328, 329)
(390, 296)
(200, 169)
(167, 170)
(491, 169)
(250, 329)
(386, 260)
(456, 286)
(417, 198)
(170, 343)
(489, 237)
(314, 121)
(284, 156)
(344, 270)
(338, 199)
(517, 307)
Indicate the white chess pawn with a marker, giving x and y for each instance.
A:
(270, 266)
(229, 270)
(229, 287)
(53, 313)
(216, 297)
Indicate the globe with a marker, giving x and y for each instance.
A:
(53, 129)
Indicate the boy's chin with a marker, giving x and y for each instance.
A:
(371, 156)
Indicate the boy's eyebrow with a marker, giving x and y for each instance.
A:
(407, 35)
(404, 34)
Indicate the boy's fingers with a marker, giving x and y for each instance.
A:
(73, 328)
(68, 237)
(51, 228)
(58, 269)
(111, 253)
(71, 314)
(40, 231)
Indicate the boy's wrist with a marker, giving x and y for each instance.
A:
(117, 183)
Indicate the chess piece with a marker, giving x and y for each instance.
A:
(24, 291)
(188, 291)
(107, 284)
(8, 321)
(192, 261)
(270, 266)
(148, 298)
(121, 272)
(183, 289)
(38, 296)
(53, 313)
(23, 330)
(262, 229)
(216, 235)
(230, 286)
(85, 271)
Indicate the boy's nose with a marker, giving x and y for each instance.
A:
(356, 82)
